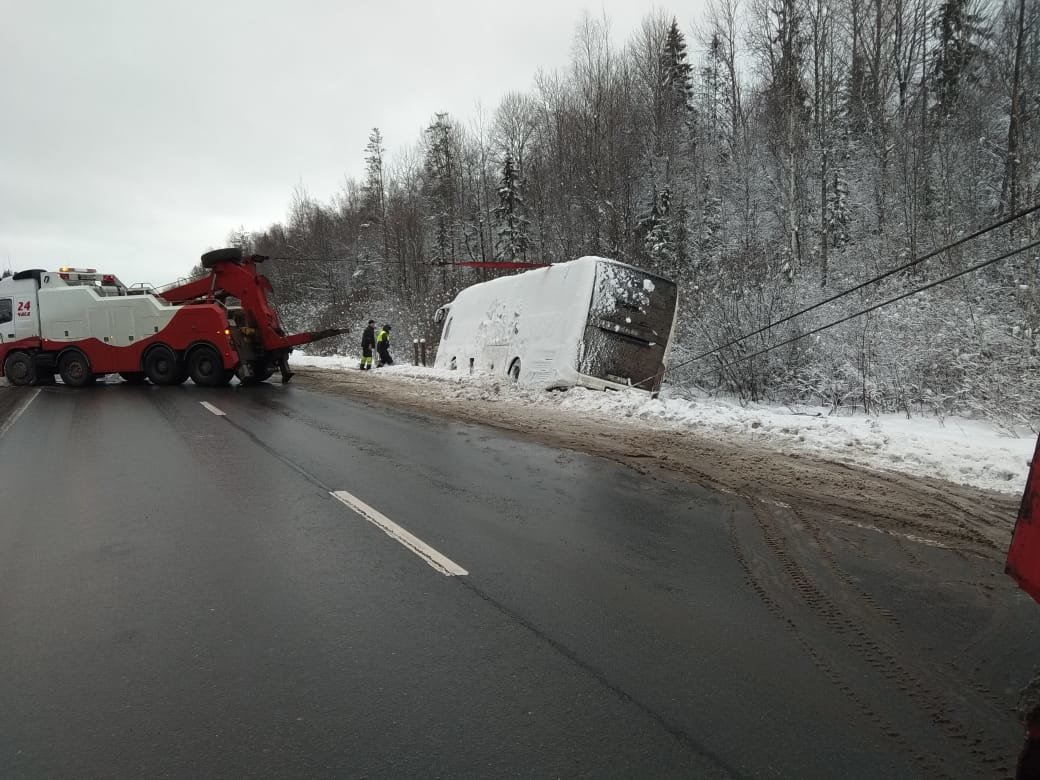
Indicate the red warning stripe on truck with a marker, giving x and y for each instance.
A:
(1023, 560)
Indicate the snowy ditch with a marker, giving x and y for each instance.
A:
(967, 452)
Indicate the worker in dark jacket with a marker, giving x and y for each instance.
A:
(368, 343)
(383, 347)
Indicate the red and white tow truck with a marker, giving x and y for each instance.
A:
(81, 325)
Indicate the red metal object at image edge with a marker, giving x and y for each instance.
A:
(1023, 560)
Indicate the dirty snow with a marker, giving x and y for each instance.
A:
(968, 452)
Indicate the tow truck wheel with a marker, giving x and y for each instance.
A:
(75, 369)
(133, 377)
(19, 369)
(206, 367)
(160, 366)
(261, 373)
(210, 259)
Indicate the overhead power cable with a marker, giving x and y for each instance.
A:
(971, 269)
(875, 280)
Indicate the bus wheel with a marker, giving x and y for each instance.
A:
(19, 369)
(160, 366)
(75, 369)
(133, 377)
(452, 366)
(514, 371)
(206, 367)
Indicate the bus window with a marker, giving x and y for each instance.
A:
(447, 329)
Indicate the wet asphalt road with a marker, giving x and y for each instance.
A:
(180, 595)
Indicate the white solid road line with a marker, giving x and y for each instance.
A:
(440, 562)
(213, 409)
(18, 413)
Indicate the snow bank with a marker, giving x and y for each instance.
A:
(968, 452)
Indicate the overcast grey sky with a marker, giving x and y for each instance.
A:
(137, 134)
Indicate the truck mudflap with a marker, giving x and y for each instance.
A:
(1023, 559)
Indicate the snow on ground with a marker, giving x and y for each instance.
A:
(969, 452)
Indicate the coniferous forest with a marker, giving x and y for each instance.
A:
(767, 156)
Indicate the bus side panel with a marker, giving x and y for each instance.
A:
(536, 317)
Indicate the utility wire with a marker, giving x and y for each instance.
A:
(869, 309)
(876, 279)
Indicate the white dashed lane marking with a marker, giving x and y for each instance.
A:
(440, 562)
(6, 425)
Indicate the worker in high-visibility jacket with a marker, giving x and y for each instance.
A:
(383, 347)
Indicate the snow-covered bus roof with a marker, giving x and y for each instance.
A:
(538, 319)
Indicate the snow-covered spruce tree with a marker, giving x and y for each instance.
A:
(661, 228)
(441, 171)
(677, 92)
(669, 249)
(667, 163)
(716, 99)
(956, 29)
(786, 119)
(509, 214)
(1019, 63)
(374, 207)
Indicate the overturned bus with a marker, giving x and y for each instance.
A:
(592, 321)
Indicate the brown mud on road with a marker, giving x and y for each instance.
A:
(928, 511)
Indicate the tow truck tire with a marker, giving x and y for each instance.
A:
(261, 373)
(161, 367)
(205, 367)
(75, 369)
(133, 377)
(19, 369)
(210, 259)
